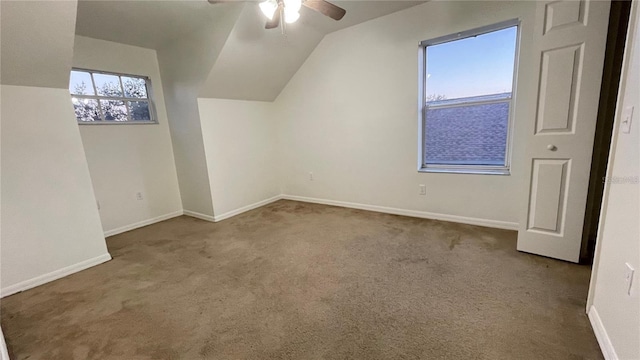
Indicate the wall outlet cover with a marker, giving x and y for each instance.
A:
(627, 117)
(628, 278)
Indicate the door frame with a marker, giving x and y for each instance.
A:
(619, 15)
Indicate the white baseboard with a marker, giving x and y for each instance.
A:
(246, 208)
(412, 213)
(140, 224)
(198, 215)
(54, 275)
(606, 346)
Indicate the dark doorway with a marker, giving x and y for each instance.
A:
(614, 54)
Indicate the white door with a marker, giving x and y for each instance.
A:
(569, 42)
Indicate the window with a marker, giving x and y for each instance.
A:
(108, 98)
(466, 93)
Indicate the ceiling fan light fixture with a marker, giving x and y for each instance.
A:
(292, 5)
(269, 8)
(291, 17)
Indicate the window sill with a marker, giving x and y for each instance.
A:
(139, 122)
(470, 171)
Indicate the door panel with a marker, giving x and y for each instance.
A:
(563, 13)
(569, 42)
(546, 213)
(559, 81)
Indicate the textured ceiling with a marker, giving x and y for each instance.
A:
(37, 42)
(141, 23)
(254, 64)
(357, 12)
(151, 24)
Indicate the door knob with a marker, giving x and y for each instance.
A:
(551, 147)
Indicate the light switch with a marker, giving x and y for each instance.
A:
(627, 116)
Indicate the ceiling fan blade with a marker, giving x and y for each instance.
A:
(275, 21)
(326, 8)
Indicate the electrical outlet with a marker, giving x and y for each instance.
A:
(423, 189)
(139, 196)
(628, 278)
(310, 176)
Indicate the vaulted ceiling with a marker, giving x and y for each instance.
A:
(254, 64)
(151, 24)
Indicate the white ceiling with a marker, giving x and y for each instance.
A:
(357, 12)
(150, 24)
(37, 42)
(141, 23)
(254, 64)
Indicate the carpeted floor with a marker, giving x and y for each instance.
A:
(303, 281)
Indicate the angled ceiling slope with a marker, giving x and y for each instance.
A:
(256, 64)
(144, 23)
(37, 42)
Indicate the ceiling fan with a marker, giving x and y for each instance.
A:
(288, 11)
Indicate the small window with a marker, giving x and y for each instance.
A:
(467, 97)
(109, 98)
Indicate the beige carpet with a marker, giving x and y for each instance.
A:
(303, 281)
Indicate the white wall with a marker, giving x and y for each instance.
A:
(49, 217)
(184, 66)
(241, 150)
(126, 159)
(349, 115)
(4, 353)
(614, 314)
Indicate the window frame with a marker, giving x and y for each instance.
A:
(149, 99)
(423, 166)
